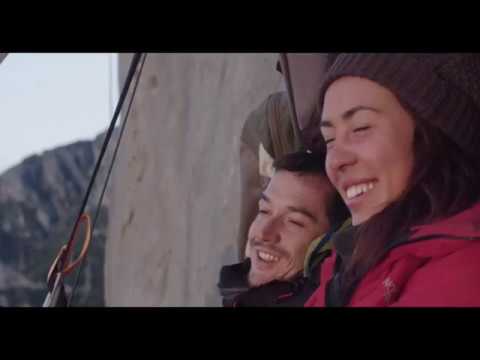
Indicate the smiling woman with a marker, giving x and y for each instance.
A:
(377, 139)
(52, 99)
(401, 134)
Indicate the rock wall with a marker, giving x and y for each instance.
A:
(175, 203)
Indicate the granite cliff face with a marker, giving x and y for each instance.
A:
(176, 190)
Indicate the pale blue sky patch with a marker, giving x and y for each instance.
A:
(48, 100)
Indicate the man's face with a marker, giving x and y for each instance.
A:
(292, 213)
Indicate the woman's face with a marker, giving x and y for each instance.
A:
(369, 138)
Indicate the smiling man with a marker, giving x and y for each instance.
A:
(298, 206)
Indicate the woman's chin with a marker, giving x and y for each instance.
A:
(360, 218)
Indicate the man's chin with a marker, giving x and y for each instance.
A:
(256, 280)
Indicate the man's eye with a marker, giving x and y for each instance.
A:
(263, 211)
(296, 223)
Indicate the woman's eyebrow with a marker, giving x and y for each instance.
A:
(347, 115)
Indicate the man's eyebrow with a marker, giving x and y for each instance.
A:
(297, 209)
(347, 115)
(303, 211)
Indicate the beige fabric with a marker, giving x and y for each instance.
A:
(265, 162)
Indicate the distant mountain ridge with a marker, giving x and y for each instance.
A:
(39, 200)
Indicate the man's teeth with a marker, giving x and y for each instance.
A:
(267, 257)
(356, 190)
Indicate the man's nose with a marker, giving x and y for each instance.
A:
(269, 231)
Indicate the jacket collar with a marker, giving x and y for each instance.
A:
(465, 224)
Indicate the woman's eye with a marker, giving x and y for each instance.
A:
(360, 129)
(328, 141)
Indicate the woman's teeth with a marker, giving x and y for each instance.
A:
(356, 190)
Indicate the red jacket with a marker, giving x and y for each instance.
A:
(443, 270)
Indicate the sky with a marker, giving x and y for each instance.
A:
(48, 100)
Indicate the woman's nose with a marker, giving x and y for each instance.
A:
(339, 158)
